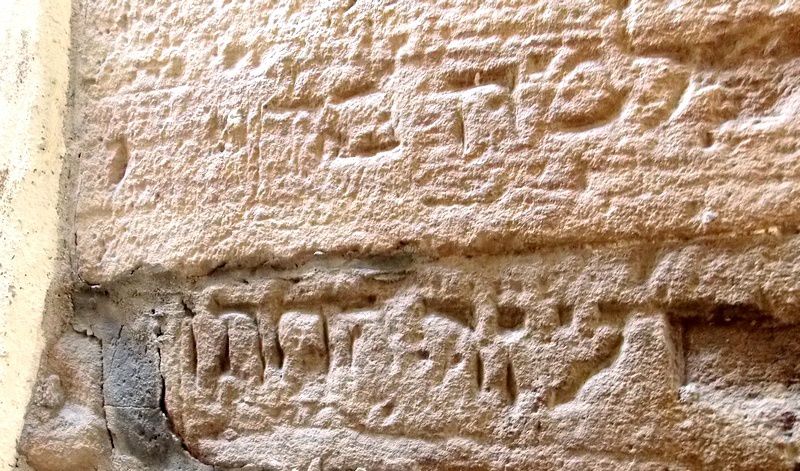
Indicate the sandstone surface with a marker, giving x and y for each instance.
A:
(435, 235)
(239, 133)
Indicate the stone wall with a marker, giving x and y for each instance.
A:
(430, 235)
(34, 35)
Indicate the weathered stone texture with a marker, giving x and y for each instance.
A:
(673, 356)
(248, 132)
(434, 235)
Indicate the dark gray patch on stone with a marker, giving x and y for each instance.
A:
(132, 377)
(140, 432)
(144, 434)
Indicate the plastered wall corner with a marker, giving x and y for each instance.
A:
(33, 105)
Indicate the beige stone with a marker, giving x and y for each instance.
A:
(34, 36)
(497, 235)
(240, 134)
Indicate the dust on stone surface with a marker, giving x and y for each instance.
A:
(250, 133)
(431, 235)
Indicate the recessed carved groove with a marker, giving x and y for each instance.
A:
(710, 344)
(564, 313)
(716, 313)
(502, 75)
(300, 298)
(511, 383)
(354, 91)
(192, 348)
(452, 309)
(294, 104)
(120, 159)
(371, 147)
(614, 311)
(584, 123)
(225, 357)
(326, 344)
(460, 130)
(279, 355)
(353, 335)
(510, 317)
(262, 360)
(478, 372)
